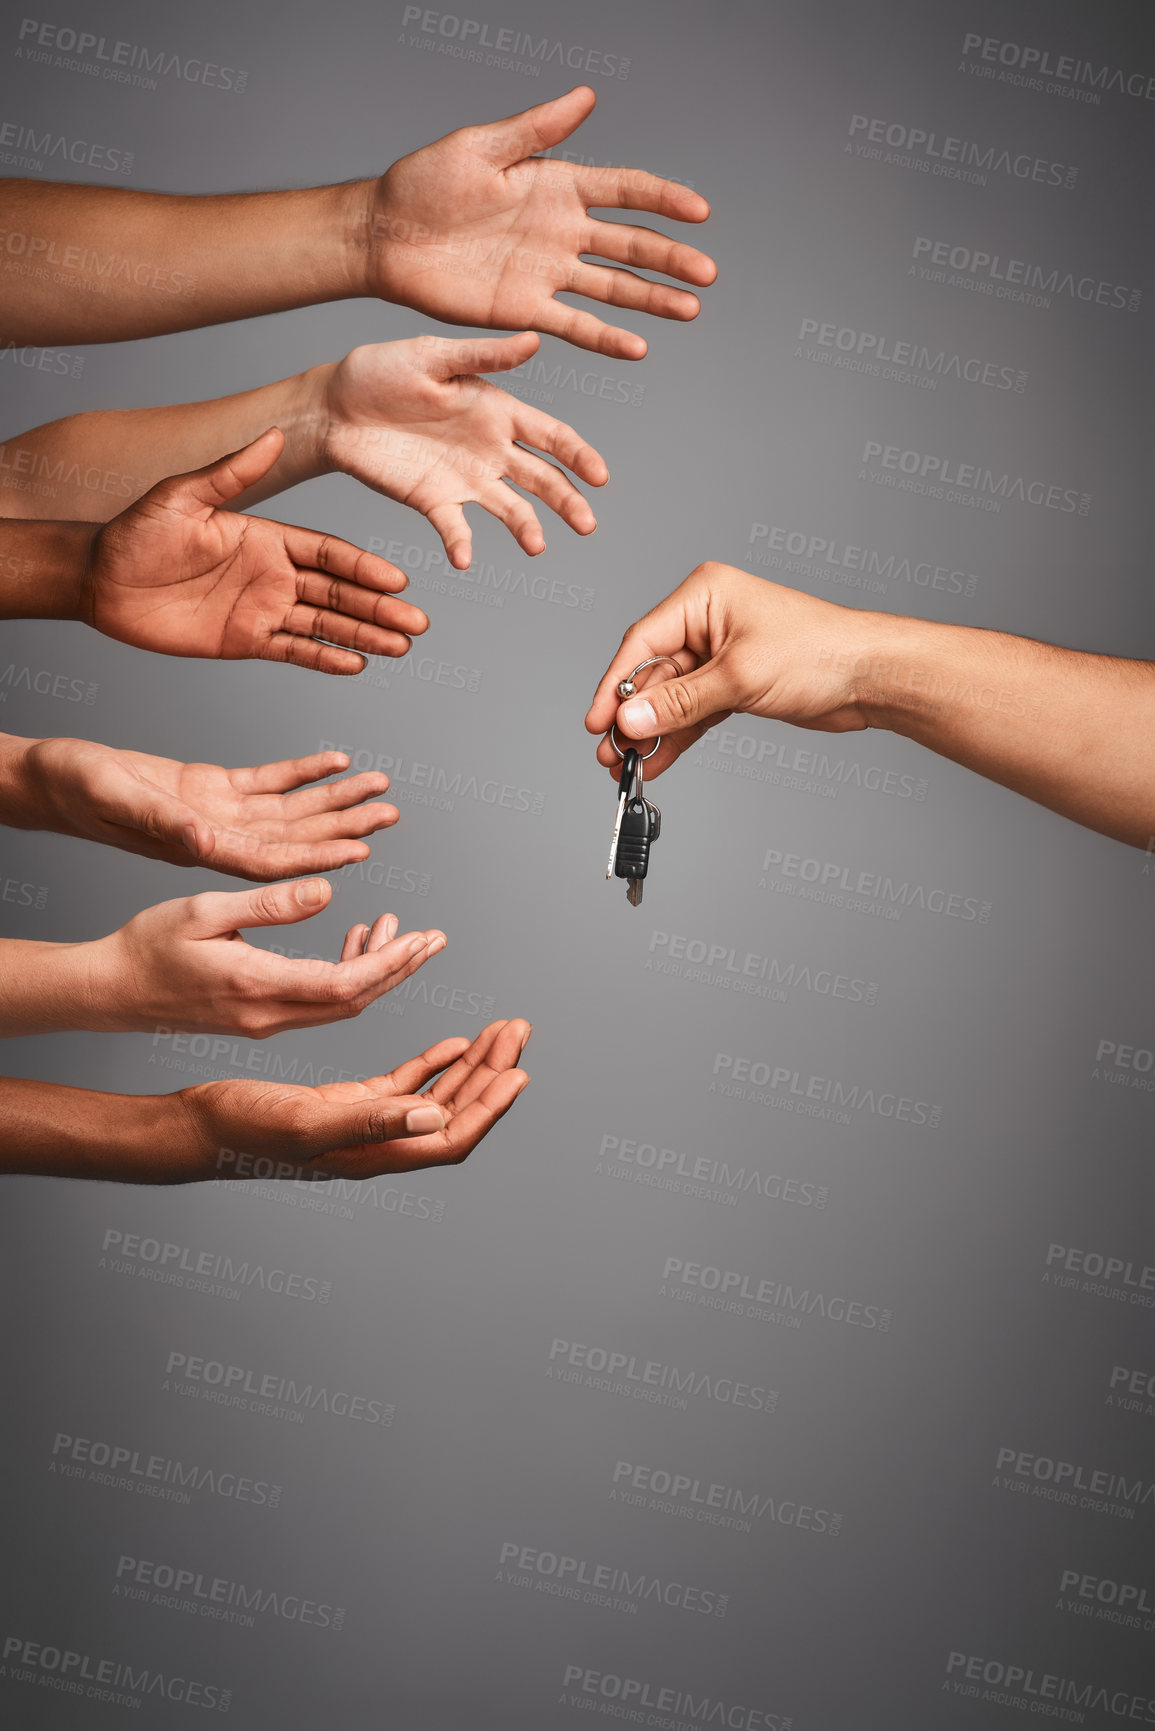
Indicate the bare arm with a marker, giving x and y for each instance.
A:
(475, 228)
(431, 1111)
(1068, 729)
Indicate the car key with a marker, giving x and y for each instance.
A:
(629, 768)
(633, 855)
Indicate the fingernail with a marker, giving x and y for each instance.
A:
(435, 944)
(639, 717)
(188, 837)
(525, 1041)
(391, 923)
(416, 945)
(312, 892)
(422, 1119)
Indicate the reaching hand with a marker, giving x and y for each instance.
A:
(184, 964)
(360, 1129)
(477, 230)
(178, 574)
(744, 644)
(260, 823)
(413, 420)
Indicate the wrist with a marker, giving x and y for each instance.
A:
(102, 1003)
(890, 666)
(309, 417)
(45, 568)
(355, 225)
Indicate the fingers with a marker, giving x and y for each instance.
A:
(645, 249)
(468, 1127)
(305, 652)
(337, 595)
(669, 705)
(319, 624)
(496, 1048)
(308, 548)
(587, 332)
(633, 189)
(556, 489)
(517, 514)
(452, 525)
(334, 795)
(538, 128)
(292, 772)
(217, 912)
(228, 477)
(662, 632)
(412, 1076)
(466, 357)
(668, 752)
(531, 427)
(323, 1125)
(621, 288)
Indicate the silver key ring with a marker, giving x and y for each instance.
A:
(627, 688)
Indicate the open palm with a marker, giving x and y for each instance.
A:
(179, 574)
(414, 420)
(267, 822)
(475, 229)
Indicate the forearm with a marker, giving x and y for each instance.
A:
(1068, 729)
(89, 264)
(50, 1131)
(53, 988)
(20, 807)
(42, 568)
(93, 465)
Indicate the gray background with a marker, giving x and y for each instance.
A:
(450, 1310)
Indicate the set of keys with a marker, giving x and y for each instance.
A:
(637, 822)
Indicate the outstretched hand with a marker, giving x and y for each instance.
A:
(360, 1129)
(179, 574)
(262, 823)
(414, 420)
(476, 229)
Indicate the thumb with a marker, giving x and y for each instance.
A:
(457, 359)
(217, 912)
(344, 1124)
(538, 128)
(672, 704)
(229, 476)
(168, 821)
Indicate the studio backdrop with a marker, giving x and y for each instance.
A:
(787, 1357)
